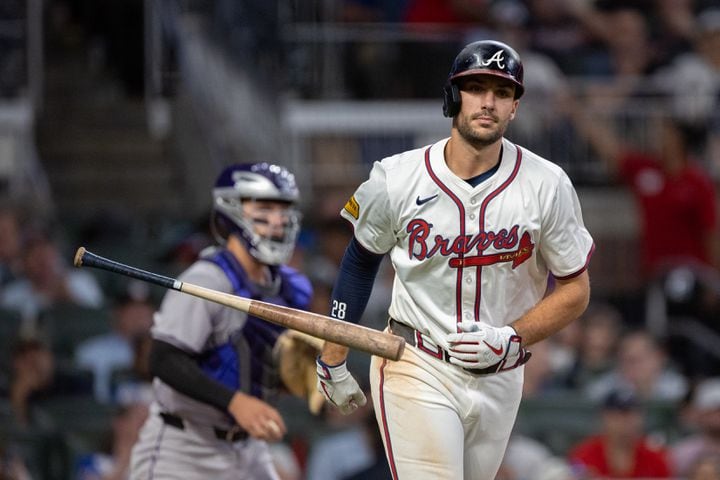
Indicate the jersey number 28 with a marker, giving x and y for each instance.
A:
(338, 310)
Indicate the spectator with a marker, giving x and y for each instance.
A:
(677, 201)
(672, 23)
(557, 33)
(565, 350)
(621, 449)
(35, 378)
(642, 368)
(600, 330)
(693, 78)
(693, 83)
(132, 316)
(114, 464)
(705, 418)
(136, 382)
(676, 198)
(705, 468)
(46, 281)
(625, 50)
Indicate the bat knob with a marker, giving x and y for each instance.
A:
(79, 257)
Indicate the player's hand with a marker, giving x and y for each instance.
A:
(256, 417)
(482, 346)
(339, 387)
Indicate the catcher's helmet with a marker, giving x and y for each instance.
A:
(248, 182)
(484, 57)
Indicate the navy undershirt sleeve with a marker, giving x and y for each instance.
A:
(354, 283)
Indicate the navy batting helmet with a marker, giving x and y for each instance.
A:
(484, 57)
(248, 182)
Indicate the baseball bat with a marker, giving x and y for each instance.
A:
(348, 334)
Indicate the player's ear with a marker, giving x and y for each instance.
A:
(516, 104)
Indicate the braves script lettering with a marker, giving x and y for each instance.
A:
(421, 248)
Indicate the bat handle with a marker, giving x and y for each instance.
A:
(84, 258)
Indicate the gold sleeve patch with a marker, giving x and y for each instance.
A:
(352, 207)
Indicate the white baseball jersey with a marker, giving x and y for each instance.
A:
(465, 253)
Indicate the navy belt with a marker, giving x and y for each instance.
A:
(414, 338)
(235, 434)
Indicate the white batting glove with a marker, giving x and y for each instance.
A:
(339, 387)
(483, 346)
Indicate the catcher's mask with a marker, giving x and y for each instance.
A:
(259, 183)
(484, 57)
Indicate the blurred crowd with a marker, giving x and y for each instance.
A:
(583, 59)
(645, 383)
(615, 368)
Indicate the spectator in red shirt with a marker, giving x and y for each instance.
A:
(678, 203)
(621, 449)
(677, 199)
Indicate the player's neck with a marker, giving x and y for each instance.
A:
(257, 272)
(466, 161)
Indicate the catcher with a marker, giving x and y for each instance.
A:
(216, 369)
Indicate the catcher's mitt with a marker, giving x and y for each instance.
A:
(296, 353)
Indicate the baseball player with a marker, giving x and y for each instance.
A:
(474, 226)
(213, 366)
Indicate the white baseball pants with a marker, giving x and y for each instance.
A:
(439, 421)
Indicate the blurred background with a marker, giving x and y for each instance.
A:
(116, 116)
